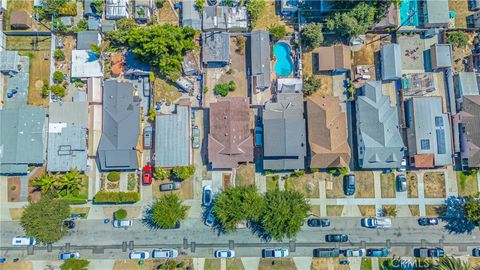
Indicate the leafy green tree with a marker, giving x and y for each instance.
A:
(310, 85)
(152, 114)
(256, 8)
(451, 263)
(59, 55)
(70, 183)
(46, 183)
(161, 173)
(472, 209)
(457, 38)
(119, 37)
(159, 3)
(59, 26)
(183, 172)
(277, 31)
(120, 214)
(44, 219)
(58, 90)
(199, 5)
(221, 89)
(166, 212)
(98, 5)
(95, 49)
(75, 264)
(354, 22)
(82, 25)
(52, 7)
(284, 214)
(312, 36)
(58, 76)
(238, 204)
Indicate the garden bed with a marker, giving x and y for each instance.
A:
(13, 187)
(412, 185)
(434, 185)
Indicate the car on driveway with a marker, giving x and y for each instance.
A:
(377, 252)
(318, 222)
(207, 196)
(164, 253)
(139, 255)
(426, 221)
(210, 219)
(349, 184)
(476, 252)
(68, 255)
(258, 136)
(228, 253)
(147, 138)
(147, 174)
(170, 186)
(401, 183)
(336, 238)
(274, 252)
(122, 223)
(196, 137)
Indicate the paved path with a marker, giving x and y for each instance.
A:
(123, 181)
(24, 188)
(303, 263)
(451, 187)
(421, 193)
(250, 263)
(223, 264)
(323, 195)
(378, 188)
(261, 182)
(198, 263)
(375, 263)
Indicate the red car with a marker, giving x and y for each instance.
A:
(147, 175)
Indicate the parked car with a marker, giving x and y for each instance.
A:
(147, 174)
(326, 252)
(258, 136)
(170, 186)
(274, 252)
(147, 138)
(224, 253)
(68, 255)
(23, 241)
(318, 222)
(403, 165)
(139, 255)
(195, 137)
(164, 253)
(376, 222)
(377, 252)
(401, 183)
(476, 252)
(210, 219)
(336, 238)
(386, 171)
(122, 223)
(426, 221)
(344, 262)
(428, 252)
(146, 87)
(69, 224)
(354, 252)
(207, 196)
(349, 184)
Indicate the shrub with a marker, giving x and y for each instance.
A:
(232, 86)
(314, 170)
(277, 31)
(457, 38)
(116, 197)
(13, 188)
(183, 172)
(311, 85)
(69, 9)
(161, 173)
(79, 84)
(298, 173)
(222, 89)
(120, 214)
(59, 55)
(205, 90)
(58, 76)
(58, 90)
(113, 176)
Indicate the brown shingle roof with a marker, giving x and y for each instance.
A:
(230, 141)
(471, 121)
(20, 19)
(334, 58)
(327, 133)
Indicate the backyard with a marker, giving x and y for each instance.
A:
(237, 72)
(434, 185)
(245, 175)
(467, 183)
(388, 185)
(269, 17)
(166, 14)
(164, 91)
(16, 5)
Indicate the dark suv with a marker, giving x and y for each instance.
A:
(336, 238)
(349, 184)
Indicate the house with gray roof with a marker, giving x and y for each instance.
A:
(67, 135)
(22, 133)
(116, 9)
(173, 139)
(428, 132)
(441, 56)
(466, 84)
(190, 15)
(85, 39)
(436, 13)
(215, 48)
(121, 127)
(391, 56)
(223, 18)
(469, 131)
(284, 133)
(289, 85)
(143, 10)
(9, 62)
(260, 59)
(380, 145)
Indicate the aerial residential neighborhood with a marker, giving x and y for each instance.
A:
(239, 135)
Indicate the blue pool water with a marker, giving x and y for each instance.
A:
(284, 63)
(409, 13)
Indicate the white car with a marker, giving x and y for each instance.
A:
(224, 253)
(122, 223)
(164, 253)
(23, 241)
(403, 165)
(354, 252)
(68, 255)
(275, 253)
(139, 255)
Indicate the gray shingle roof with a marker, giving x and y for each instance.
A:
(116, 9)
(441, 56)
(87, 38)
(121, 124)
(284, 133)
(172, 138)
(260, 58)
(216, 48)
(437, 12)
(379, 142)
(391, 62)
(222, 18)
(9, 61)
(190, 15)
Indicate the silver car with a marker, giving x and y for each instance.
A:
(122, 223)
(147, 138)
(164, 253)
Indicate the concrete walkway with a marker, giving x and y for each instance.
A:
(198, 263)
(302, 263)
(323, 195)
(375, 265)
(421, 193)
(223, 264)
(378, 188)
(250, 263)
(123, 182)
(261, 182)
(451, 187)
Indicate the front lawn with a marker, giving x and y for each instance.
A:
(434, 185)
(272, 182)
(83, 194)
(364, 184)
(388, 185)
(366, 264)
(307, 184)
(467, 183)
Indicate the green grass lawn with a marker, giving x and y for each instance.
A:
(366, 264)
(212, 264)
(467, 183)
(272, 183)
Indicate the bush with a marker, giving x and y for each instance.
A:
(161, 173)
(314, 170)
(298, 173)
(256, 8)
(232, 86)
(59, 55)
(311, 85)
(113, 176)
(183, 172)
(58, 90)
(79, 84)
(116, 197)
(205, 90)
(58, 76)
(457, 38)
(69, 9)
(120, 214)
(277, 31)
(222, 89)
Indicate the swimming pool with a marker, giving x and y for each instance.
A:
(409, 13)
(284, 63)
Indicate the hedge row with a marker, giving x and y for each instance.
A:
(116, 197)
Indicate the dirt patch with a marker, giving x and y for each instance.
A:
(474, 262)
(368, 210)
(306, 184)
(334, 210)
(235, 264)
(167, 15)
(467, 183)
(327, 264)
(366, 55)
(414, 209)
(434, 185)
(412, 185)
(236, 72)
(133, 212)
(277, 264)
(269, 17)
(315, 210)
(432, 210)
(461, 12)
(364, 185)
(20, 265)
(388, 185)
(334, 185)
(185, 192)
(149, 264)
(326, 80)
(461, 53)
(245, 175)
(13, 189)
(16, 213)
(212, 264)
(164, 91)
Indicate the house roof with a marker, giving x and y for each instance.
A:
(334, 58)
(72, 113)
(85, 64)
(88, 8)
(222, 18)
(116, 9)
(121, 124)
(467, 84)
(190, 63)
(216, 47)
(87, 38)
(327, 133)
(20, 18)
(260, 58)
(379, 140)
(190, 15)
(67, 148)
(172, 138)
(471, 122)
(23, 134)
(230, 140)
(9, 61)
(391, 61)
(284, 133)
(437, 12)
(289, 85)
(441, 55)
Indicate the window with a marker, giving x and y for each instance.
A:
(425, 144)
(438, 121)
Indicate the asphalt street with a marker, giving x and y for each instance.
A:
(96, 240)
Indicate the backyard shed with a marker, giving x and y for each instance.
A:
(20, 19)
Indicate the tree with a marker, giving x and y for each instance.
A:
(221, 89)
(183, 172)
(95, 49)
(451, 263)
(353, 23)
(58, 90)
(390, 211)
(159, 3)
(457, 38)
(98, 6)
(161, 173)
(46, 183)
(52, 7)
(453, 213)
(237, 204)
(70, 183)
(59, 55)
(312, 36)
(284, 213)
(152, 114)
(120, 214)
(75, 264)
(472, 209)
(310, 85)
(277, 31)
(232, 86)
(166, 212)
(199, 5)
(256, 9)
(82, 25)
(44, 219)
(58, 76)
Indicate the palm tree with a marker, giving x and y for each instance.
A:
(390, 211)
(46, 182)
(71, 182)
(451, 263)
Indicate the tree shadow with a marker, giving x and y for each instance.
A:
(453, 214)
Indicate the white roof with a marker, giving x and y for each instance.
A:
(85, 64)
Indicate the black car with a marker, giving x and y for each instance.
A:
(476, 252)
(336, 238)
(349, 184)
(425, 221)
(318, 222)
(70, 224)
